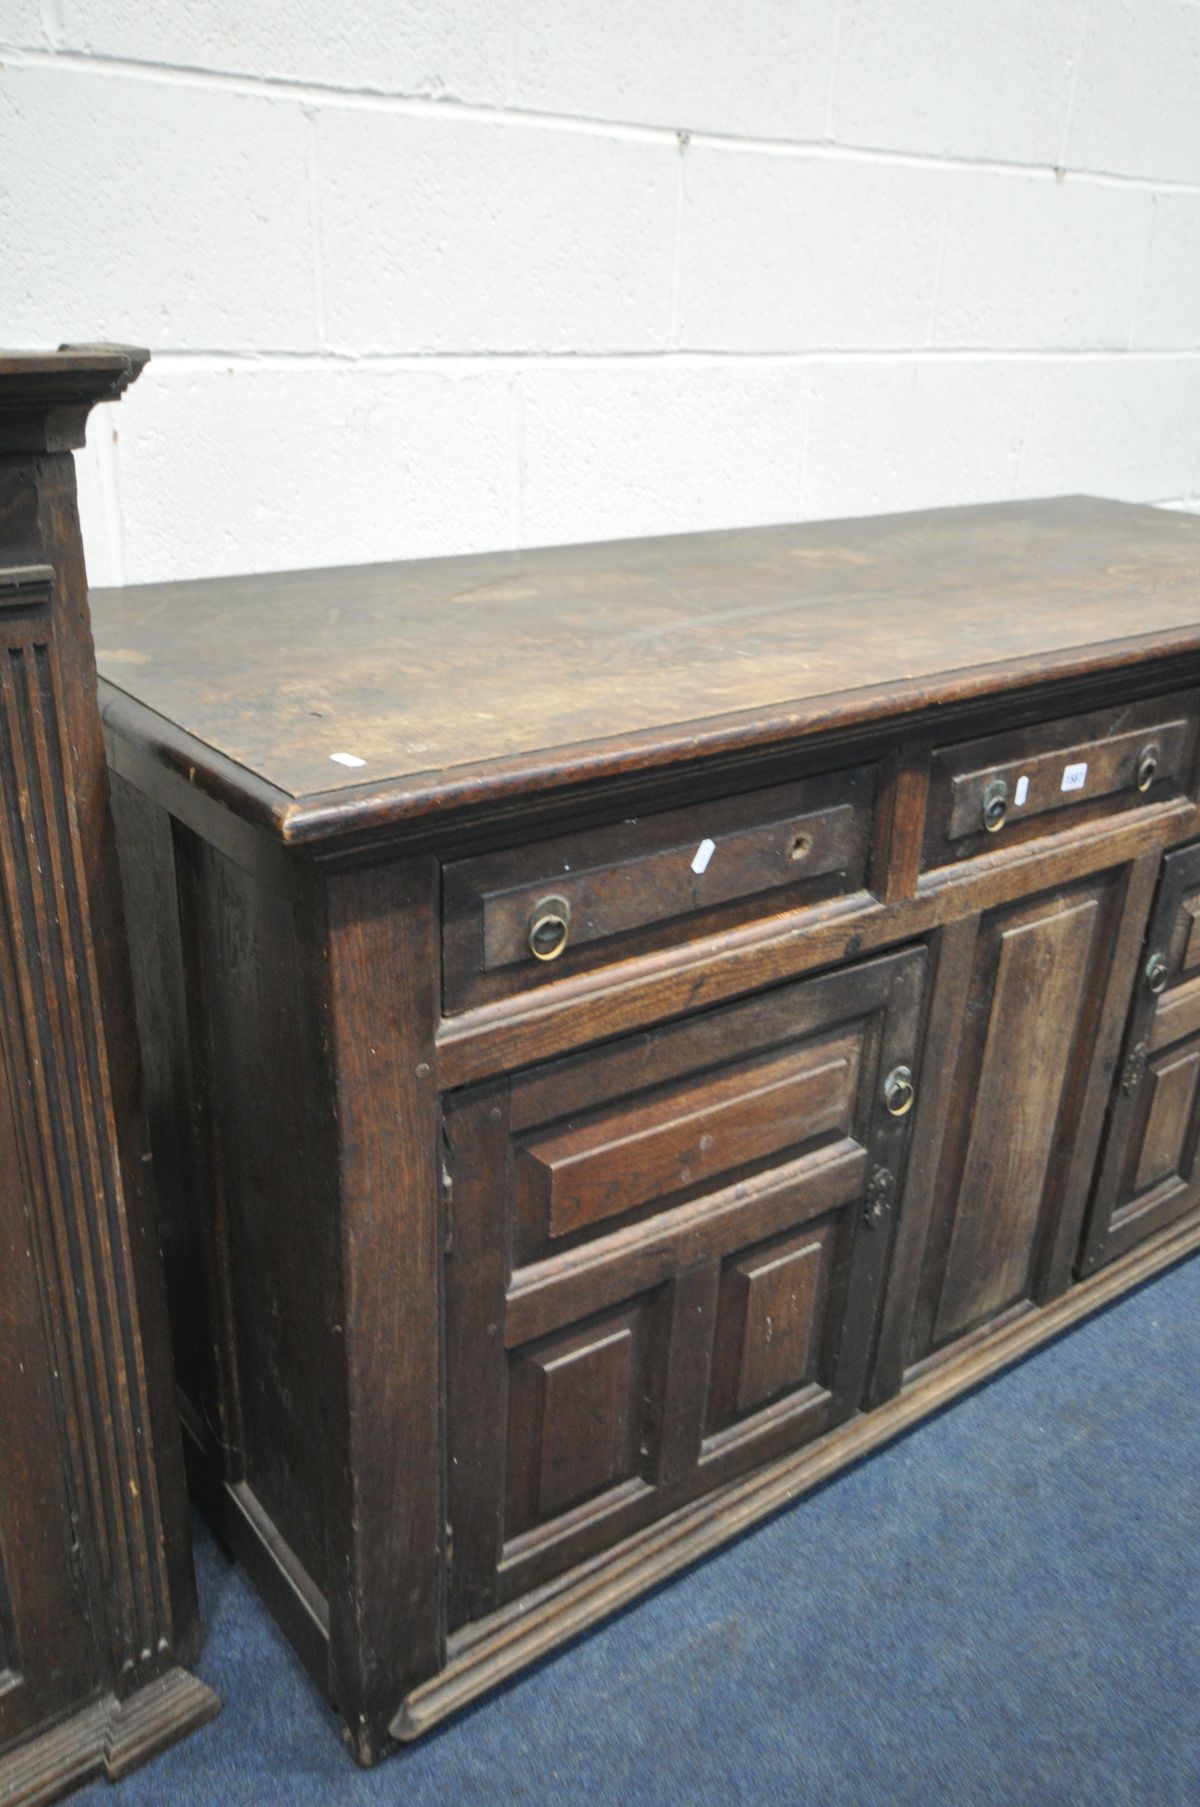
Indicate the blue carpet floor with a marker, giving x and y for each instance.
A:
(1003, 1608)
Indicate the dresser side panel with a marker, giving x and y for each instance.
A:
(146, 849)
(251, 991)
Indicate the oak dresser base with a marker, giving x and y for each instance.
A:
(633, 1028)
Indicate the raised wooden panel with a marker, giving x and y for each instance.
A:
(578, 1407)
(665, 1265)
(1177, 1015)
(1147, 1176)
(588, 1433)
(1036, 1003)
(769, 1322)
(649, 1149)
(1189, 920)
(1028, 1023)
(1172, 1093)
(560, 1288)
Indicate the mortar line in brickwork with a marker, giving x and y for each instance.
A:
(318, 94)
(477, 362)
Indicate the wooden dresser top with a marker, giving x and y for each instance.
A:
(464, 679)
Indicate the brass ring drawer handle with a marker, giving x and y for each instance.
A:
(550, 928)
(995, 805)
(1156, 973)
(898, 1091)
(1147, 768)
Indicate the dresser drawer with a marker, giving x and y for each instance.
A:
(990, 793)
(535, 913)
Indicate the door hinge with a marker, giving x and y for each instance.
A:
(1134, 1070)
(881, 1190)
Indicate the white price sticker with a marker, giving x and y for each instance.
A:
(702, 856)
(1073, 776)
(1022, 790)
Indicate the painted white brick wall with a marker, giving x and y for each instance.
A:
(449, 274)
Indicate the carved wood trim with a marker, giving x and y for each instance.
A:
(53, 1051)
(110, 1737)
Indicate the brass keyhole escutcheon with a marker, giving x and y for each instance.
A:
(550, 928)
(995, 805)
(1156, 973)
(898, 1091)
(1147, 768)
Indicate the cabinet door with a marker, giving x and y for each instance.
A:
(46, 1652)
(1148, 1174)
(665, 1260)
(1037, 1024)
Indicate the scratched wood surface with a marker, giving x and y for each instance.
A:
(426, 667)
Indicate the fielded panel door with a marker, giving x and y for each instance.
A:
(1148, 1175)
(1034, 1043)
(665, 1257)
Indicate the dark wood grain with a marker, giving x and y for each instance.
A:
(768, 951)
(600, 1367)
(1148, 1176)
(1091, 1081)
(1085, 768)
(576, 1177)
(626, 1245)
(1024, 1054)
(637, 652)
(646, 882)
(97, 1599)
(1041, 972)
(387, 1606)
(953, 956)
